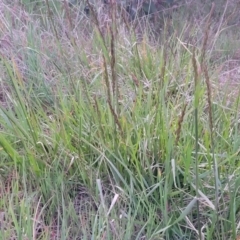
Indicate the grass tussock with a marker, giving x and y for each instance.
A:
(119, 128)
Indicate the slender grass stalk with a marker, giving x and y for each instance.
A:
(196, 106)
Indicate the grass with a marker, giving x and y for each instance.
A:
(112, 130)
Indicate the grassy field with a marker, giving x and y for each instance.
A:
(111, 129)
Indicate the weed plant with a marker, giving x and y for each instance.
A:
(112, 130)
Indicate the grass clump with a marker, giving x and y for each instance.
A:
(108, 135)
